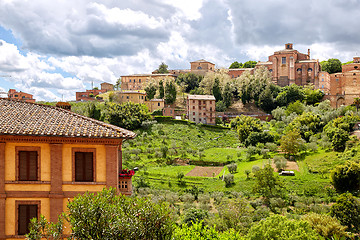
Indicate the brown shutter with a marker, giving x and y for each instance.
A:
(89, 170)
(84, 170)
(25, 214)
(33, 170)
(22, 166)
(79, 166)
(28, 166)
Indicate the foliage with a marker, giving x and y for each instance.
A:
(117, 85)
(108, 215)
(41, 228)
(347, 211)
(246, 125)
(170, 92)
(194, 215)
(258, 137)
(249, 64)
(280, 163)
(150, 91)
(161, 89)
(216, 90)
(332, 65)
(313, 96)
(236, 64)
(295, 107)
(227, 95)
(220, 106)
(290, 94)
(191, 81)
(346, 177)
(266, 100)
(266, 183)
(232, 167)
(163, 68)
(291, 142)
(128, 115)
(280, 228)
(326, 225)
(308, 124)
(200, 232)
(229, 180)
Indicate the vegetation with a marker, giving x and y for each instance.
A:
(332, 65)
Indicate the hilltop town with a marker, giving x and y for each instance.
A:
(260, 148)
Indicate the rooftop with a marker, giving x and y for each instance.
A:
(32, 119)
(201, 97)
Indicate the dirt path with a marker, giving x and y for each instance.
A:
(204, 171)
(289, 166)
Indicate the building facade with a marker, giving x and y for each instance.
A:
(201, 67)
(138, 81)
(288, 66)
(201, 109)
(13, 94)
(237, 72)
(155, 104)
(49, 155)
(89, 95)
(107, 86)
(345, 85)
(131, 96)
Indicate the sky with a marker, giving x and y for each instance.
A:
(52, 49)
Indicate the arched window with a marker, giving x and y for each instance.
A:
(309, 69)
(299, 70)
(270, 70)
(199, 67)
(129, 80)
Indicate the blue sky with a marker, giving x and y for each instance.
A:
(55, 48)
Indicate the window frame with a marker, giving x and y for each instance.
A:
(25, 202)
(17, 160)
(75, 150)
(283, 59)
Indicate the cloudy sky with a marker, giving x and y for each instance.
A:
(52, 49)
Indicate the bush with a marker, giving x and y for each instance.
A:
(280, 228)
(229, 180)
(347, 211)
(326, 225)
(346, 177)
(232, 167)
(280, 163)
(194, 216)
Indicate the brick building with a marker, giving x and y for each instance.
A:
(201, 109)
(49, 155)
(201, 67)
(131, 96)
(289, 66)
(345, 85)
(13, 94)
(138, 81)
(237, 72)
(324, 82)
(90, 95)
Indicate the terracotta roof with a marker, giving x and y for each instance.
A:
(31, 119)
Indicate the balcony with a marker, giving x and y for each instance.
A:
(125, 182)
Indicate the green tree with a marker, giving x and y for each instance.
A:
(163, 68)
(191, 81)
(291, 142)
(357, 103)
(227, 95)
(258, 137)
(347, 211)
(346, 177)
(308, 124)
(216, 90)
(236, 65)
(194, 215)
(161, 90)
(118, 84)
(249, 64)
(295, 107)
(150, 91)
(332, 65)
(290, 94)
(128, 115)
(41, 228)
(246, 125)
(280, 228)
(313, 96)
(220, 106)
(266, 100)
(267, 184)
(170, 92)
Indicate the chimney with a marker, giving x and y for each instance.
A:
(289, 46)
(309, 53)
(64, 105)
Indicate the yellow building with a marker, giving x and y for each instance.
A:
(138, 81)
(47, 155)
(155, 104)
(131, 96)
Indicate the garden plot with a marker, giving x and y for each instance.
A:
(204, 171)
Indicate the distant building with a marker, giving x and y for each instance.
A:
(324, 82)
(131, 96)
(237, 72)
(201, 67)
(345, 85)
(289, 66)
(13, 94)
(138, 81)
(201, 109)
(90, 95)
(155, 104)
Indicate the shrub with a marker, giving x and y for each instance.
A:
(194, 216)
(280, 228)
(271, 146)
(346, 177)
(347, 211)
(280, 163)
(326, 225)
(232, 167)
(254, 169)
(229, 180)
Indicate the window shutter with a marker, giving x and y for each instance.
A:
(22, 166)
(28, 167)
(84, 170)
(79, 166)
(89, 167)
(25, 214)
(32, 166)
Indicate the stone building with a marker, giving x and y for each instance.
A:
(138, 81)
(90, 95)
(289, 66)
(107, 86)
(201, 109)
(201, 67)
(345, 85)
(131, 96)
(13, 94)
(49, 155)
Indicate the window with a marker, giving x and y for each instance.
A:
(130, 80)
(142, 97)
(298, 70)
(322, 86)
(158, 104)
(193, 107)
(194, 119)
(27, 163)
(193, 113)
(16, 95)
(25, 210)
(309, 69)
(204, 102)
(337, 79)
(270, 70)
(193, 101)
(283, 60)
(210, 108)
(322, 79)
(139, 80)
(200, 119)
(127, 97)
(84, 165)
(199, 67)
